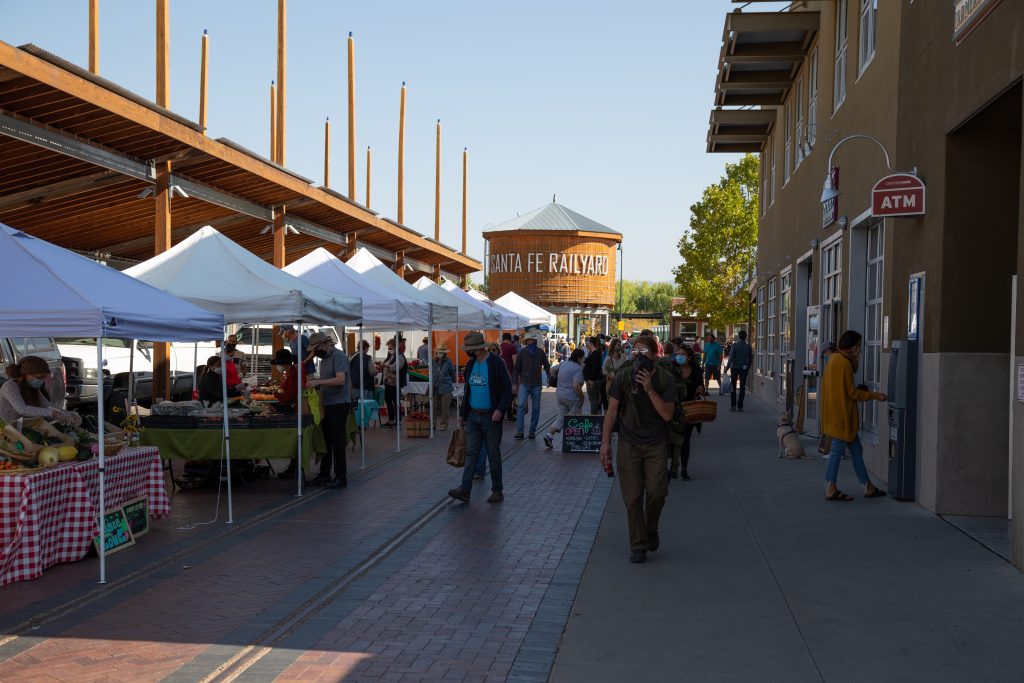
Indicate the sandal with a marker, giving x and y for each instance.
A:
(839, 495)
(877, 493)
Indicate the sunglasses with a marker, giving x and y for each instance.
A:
(644, 350)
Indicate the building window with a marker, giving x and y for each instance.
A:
(771, 181)
(769, 347)
(812, 98)
(688, 331)
(831, 291)
(798, 105)
(765, 177)
(842, 30)
(785, 287)
(868, 18)
(759, 349)
(871, 361)
(788, 142)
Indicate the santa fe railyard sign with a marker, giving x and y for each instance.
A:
(539, 262)
(900, 194)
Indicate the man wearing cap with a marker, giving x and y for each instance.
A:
(526, 381)
(488, 396)
(335, 397)
(292, 338)
(443, 374)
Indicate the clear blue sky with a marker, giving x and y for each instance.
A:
(603, 103)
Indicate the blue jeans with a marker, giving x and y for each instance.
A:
(481, 462)
(856, 458)
(534, 394)
(482, 432)
(739, 386)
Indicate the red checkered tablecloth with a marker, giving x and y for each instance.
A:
(51, 516)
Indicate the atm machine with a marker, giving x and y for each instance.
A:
(902, 392)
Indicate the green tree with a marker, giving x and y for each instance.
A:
(719, 249)
(640, 296)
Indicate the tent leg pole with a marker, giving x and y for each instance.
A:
(359, 403)
(102, 463)
(227, 427)
(398, 398)
(195, 364)
(301, 363)
(430, 376)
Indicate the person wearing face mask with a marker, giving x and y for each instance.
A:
(643, 398)
(211, 389)
(612, 362)
(680, 363)
(25, 394)
(840, 417)
(526, 381)
(393, 380)
(231, 370)
(443, 374)
(287, 396)
(335, 397)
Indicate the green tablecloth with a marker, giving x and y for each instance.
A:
(255, 444)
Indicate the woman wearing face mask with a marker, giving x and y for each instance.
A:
(443, 374)
(592, 373)
(210, 387)
(688, 388)
(615, 360)
(25, 395)
(393, 379)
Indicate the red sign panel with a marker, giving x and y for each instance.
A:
(900, 194)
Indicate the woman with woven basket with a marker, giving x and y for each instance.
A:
(840, 417)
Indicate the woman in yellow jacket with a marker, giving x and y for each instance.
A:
(840, 418)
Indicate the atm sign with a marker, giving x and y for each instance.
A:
(900, 194)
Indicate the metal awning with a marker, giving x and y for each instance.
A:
(739, 130)
(761, 54)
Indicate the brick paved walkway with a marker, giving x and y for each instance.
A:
(387, 580)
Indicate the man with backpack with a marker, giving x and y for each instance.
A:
(643, 398)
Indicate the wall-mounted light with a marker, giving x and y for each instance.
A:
(175, 190)
(828, 189)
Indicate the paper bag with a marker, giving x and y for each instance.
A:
(457, 449)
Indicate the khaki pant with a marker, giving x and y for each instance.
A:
(443, 405)
(642, 470)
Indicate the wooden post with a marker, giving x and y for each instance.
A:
(161, 243)
(401, 157)
(94, 36)
(437, 185)
(351, 117)
(465, 165)
(350, 245)
(273, 121)
(436, 272)
(279, 237)
(327, 152)
(400, 265)
(281, 54)
(369, 154)
(163, 53)
(204, 84)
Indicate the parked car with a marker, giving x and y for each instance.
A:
(259, 354)
(13, 349)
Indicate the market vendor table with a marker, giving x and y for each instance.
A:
(254, 444)
(50, 516)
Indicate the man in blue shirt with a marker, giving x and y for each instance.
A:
(488, 395)
(712, 361)
(291, 337)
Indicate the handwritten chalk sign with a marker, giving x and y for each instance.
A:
(581, 433)
(117, 533)
(137, 512)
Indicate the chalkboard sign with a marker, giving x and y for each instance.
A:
(137, 512)
(117, 533)
(581, 433)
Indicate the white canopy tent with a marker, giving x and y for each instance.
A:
(50, 290)
(211, 271)
(471, 315)
(442, 317)
(509, 319)
(534, 314)
(382, 310)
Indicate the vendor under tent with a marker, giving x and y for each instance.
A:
(50, 290)
(442, 317)
(382, 309)
(509, 319)
(211, 271)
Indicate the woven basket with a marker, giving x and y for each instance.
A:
(417, 428)
(697, 412)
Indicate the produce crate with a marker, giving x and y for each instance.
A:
(417, 428)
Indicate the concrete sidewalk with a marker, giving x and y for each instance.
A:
(759, 578)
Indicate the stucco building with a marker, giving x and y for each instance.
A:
(934, 89)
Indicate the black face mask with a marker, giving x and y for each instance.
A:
(644, 362)
(321, 354)
(230, 348)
